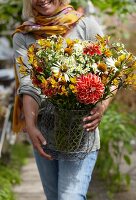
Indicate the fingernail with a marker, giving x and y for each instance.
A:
(87, 130)
(91, 112)
(84, 120)
(44, 143)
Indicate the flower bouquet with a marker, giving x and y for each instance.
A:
(75, 75)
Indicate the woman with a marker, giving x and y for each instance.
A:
(62, 179)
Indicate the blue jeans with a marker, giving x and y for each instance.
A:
(66, 180)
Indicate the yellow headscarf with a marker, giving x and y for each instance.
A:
(58, 24)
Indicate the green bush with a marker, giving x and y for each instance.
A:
(10, 168)
(116, 7)
(117, 130)
(109, 7)
(10, 16)
(5, 189)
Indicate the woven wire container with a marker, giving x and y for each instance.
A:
(64, 133)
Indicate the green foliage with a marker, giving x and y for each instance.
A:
(117, 130)
(10, 14)
(115, 11)
(5, 190)
(78, 3)
(9, 170)
(112, 7)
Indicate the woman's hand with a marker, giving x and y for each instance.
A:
(93, 121)
(38, 140)
(31, 107)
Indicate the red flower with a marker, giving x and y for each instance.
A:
(39, 69)
(36, 82)
(89, 89)
(49, 92)
(92, 49)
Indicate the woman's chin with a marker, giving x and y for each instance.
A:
(47, 11)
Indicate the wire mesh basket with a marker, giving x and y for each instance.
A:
(64, 133)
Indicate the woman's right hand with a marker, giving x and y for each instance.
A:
(30, 107)
(37, 140)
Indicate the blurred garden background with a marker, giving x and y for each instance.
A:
(115, 172)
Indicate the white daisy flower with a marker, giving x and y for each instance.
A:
(111, 63)
(95, 68)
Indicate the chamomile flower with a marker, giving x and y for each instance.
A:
(110, 62)
(60, 69)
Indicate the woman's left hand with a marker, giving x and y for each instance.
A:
(92, 121)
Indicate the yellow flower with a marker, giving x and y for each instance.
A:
(70, 43)
(122, 58)
(102, 40)
(31, 54)
(102, 67)
(68, 51)
(53, 82)
(44, 43)
(115, 82)
(73, 88)
(62, 79)
(31, 49)
(117, 64)
(63, 68)
(56, 75)
(63, 91)
(35, 63)
(20, 60)
(60, 40)
(30, 58)
(131, 61)
(134, 64)
(131, 80)
(23, 70)
(107, 53)
(73, 80)
(130, 58)
(58, 47)
(105, 79)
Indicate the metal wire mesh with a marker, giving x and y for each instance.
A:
(63, 131)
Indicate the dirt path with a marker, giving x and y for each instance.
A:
(30, 188)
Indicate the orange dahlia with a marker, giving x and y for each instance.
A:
(89, 89)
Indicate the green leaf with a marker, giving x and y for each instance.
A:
(127, 159)
(128, 179)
